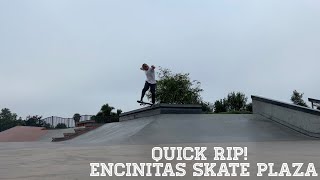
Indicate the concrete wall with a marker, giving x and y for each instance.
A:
(161, 109)
(304, 120)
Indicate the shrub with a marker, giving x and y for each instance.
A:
(105, 115)
(297, 99)
(61, 126)
(249, 107)
(207, 107)
(35, 121)
(236, 101)
(119, 111)
(8, 119)
(220, 106)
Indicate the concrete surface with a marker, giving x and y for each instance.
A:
(191, 128)
(22, 134)
(161, 109)
(54, 133)
(29, 134)
(43, 161)
(302, 119)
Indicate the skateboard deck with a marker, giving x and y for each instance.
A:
(144, 103)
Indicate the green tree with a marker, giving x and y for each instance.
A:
(47, 125)
(297, 99)
(207, 107)
(236, 101)
(7, 119)
(76, 118)
(106, 110)
(35, 121)
(7, 115)
(119, 111)
(177, 88)
(105, 115)
(220, 106)
(249, 107)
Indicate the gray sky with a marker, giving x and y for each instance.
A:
(67, 56)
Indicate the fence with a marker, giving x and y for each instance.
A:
(69, 122)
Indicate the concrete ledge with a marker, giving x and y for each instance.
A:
(301, 119)
(161, 109)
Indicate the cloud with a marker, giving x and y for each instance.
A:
(66, 57)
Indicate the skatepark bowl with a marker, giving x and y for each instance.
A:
(268, 135)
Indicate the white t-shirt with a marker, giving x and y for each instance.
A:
(150, 76)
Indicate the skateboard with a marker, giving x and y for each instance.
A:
(144, 103)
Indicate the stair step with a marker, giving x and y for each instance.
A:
(58, 139)
(68, 134)
(92, 125)
(78, 132)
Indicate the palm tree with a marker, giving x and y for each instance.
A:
(119, 111)
(76, 118)
(106, 110)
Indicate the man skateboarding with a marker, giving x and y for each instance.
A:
(150, 82)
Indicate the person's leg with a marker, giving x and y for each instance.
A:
(153, 92)
(144, 90)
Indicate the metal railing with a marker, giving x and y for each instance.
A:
(69, 122)
(315, 103)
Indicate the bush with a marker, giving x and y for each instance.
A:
(61, 126)
(119, 111)
(100, 118)
(220, 106)
(249, 107)
(297, 99)
(177, 88)
(48, 126)
(105, 115)
(35, 121)
(234, 102)
(7, 119)
(207, 107)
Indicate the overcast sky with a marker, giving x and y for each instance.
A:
(71, 56)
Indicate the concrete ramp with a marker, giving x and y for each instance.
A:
(54, 133)
(117, 132)
(190, 128)
(22, 134)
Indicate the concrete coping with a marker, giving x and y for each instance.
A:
(287, 105)
(163, 106)
(314, 100)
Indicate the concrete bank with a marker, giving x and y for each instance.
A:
(302, 119)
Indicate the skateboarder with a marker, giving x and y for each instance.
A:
(150, 82)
